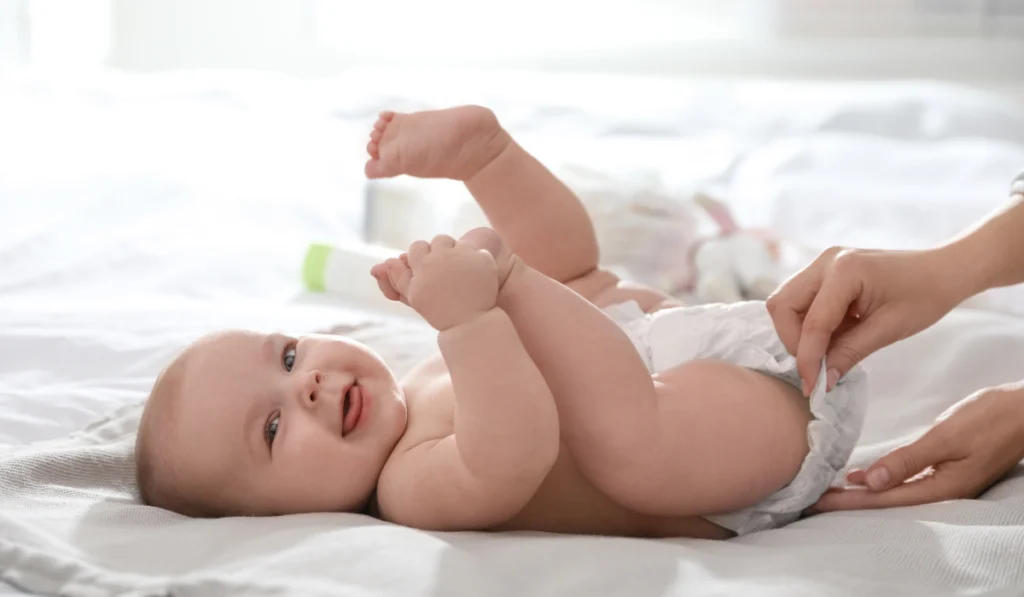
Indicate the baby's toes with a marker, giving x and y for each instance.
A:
(375, 167)
(484, 238)
(489, 240)
(442, 241)
(383, 119)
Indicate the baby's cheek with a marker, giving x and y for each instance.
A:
(311, 474)
(312, 451)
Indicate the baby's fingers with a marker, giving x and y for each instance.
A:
(399, 275)
(380, 273)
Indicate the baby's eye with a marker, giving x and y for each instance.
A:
(271, 431)
(288, 359)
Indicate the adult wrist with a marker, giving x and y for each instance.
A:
(1016, 391)
(962, 270)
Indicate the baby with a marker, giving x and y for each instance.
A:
(563, 399)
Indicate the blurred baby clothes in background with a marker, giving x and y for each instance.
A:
(685, 243)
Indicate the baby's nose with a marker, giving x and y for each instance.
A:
(312, 386)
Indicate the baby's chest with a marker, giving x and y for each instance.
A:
(430, 401)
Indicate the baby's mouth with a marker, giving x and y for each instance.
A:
(351, 408)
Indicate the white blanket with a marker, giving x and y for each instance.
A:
(138, 212)
(70, 524)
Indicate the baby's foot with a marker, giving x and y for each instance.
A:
(489, 240)
(455, 143)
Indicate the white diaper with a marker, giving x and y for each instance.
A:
(743, 334)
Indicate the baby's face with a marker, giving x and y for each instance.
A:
(270, 424)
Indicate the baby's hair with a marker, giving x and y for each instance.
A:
(155, 476)
(160, 478)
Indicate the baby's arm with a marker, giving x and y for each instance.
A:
(714, 437)
(605, 396)
(710, 438)
(506, 427)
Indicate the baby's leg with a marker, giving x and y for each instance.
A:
(703, 439)
(710, 438)
(737, 436)
(539, 217)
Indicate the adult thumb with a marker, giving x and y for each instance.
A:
(905, 462)
(859, 341)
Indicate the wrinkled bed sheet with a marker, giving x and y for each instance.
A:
(137, 212)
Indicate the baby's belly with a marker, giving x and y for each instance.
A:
(568, 503)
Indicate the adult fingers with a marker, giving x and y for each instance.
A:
(941, 485)
(906, 461)
(856, 342)
(826, 313)
(790, 302)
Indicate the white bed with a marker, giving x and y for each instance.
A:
(138, 212)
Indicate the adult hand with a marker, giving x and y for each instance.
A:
(849, 303)
(971, 446)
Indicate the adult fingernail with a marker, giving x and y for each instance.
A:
(833, 378)
(807, 388)
(878, 478)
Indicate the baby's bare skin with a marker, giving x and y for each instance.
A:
(565, 502)
(537, 415)
(634, 456)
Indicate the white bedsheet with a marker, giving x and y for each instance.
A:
(136, 213)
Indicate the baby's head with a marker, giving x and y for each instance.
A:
(243, 423)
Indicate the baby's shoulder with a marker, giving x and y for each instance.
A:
(425, 486)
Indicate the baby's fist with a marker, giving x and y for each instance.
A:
(449, 282)
(392, 275)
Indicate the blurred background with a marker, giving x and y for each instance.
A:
(967, 40)
(168, 166)
(889, 123)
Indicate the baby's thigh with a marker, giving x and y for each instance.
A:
(740, 434)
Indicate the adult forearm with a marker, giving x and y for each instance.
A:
(991, 253)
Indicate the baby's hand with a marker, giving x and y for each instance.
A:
(446, 282)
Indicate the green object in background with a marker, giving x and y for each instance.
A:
(315, 265)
